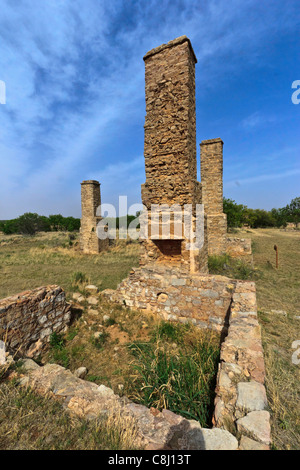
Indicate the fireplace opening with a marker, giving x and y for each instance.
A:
(170, 250)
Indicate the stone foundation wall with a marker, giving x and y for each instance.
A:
(203, 300)
(28, 319)
(239, 247)
(241, 402)
(229, 307)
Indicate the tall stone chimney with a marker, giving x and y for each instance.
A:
(90, 201)
(170, 150)
(211, 158)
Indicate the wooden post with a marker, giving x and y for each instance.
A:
(276, 249)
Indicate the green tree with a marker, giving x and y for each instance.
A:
(235, 213)
(293, 210)
(30, 223)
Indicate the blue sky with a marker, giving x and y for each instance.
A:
(75, 103)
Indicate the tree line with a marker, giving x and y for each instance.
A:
(239, 215)
(30, 223)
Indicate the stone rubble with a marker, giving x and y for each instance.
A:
(29, 318)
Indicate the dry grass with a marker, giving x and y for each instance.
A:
(31, 422)
(52, 258)
(27, 262)
(279, 289)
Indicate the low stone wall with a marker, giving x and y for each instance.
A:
(241, 401)
(150, 428)
(239, 247)
(222, 304)
(28, 318)
(204, 300)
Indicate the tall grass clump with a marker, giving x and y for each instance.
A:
(218, 263)
(178, 376)
(231, 267)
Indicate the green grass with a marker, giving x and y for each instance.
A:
(231, 267)
(176, 371)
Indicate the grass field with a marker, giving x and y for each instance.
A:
(279, 289)
(52, 258)
(27, 262)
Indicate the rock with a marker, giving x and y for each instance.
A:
(297, 317)
(34, 349)
(98, 334)
(92, 289)
(105, 391)
(210, 439)
(256, 425)
(251, 397)
(81, 372)
(76, 295)
(250, 444)
(93, 300)
(2, 353)
(10, 360)
(29, 365)
(92, 311)
(279, 312)
(106, 318)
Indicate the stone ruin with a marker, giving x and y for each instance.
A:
(90, 202)
(171, 171)
(172, 280)
(28, 319)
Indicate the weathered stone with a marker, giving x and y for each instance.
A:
(251, 397)
(90, 202)
(81, 372)
(2, 353)
(29, 365)
(93, 300)
(256, 425)
(210, 439)
(279, 312)
(29, 318)
(250, 444)
(105, 391)
(91, 289)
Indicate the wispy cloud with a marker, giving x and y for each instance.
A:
(262, 178)
(75, 80)
(258, 119)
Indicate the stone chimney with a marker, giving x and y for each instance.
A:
(90, 201)
(170, 151)
(211, 158)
